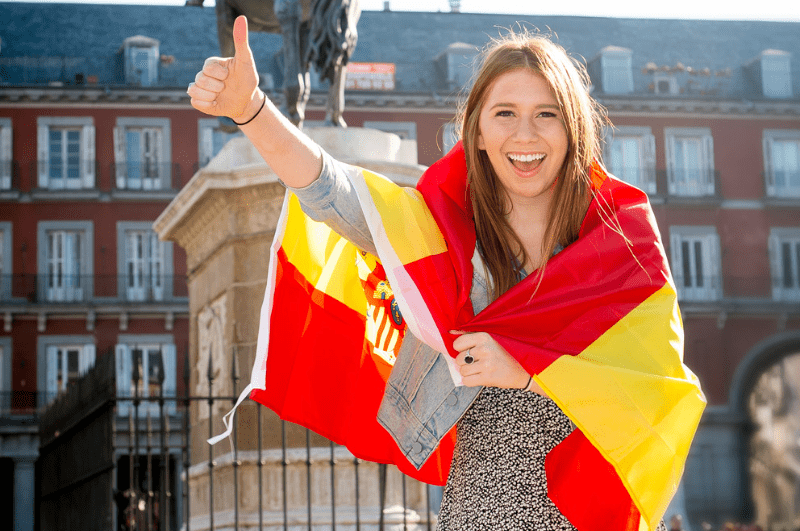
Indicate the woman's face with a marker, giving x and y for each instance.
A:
(521, 128)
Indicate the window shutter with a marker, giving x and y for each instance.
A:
(670, 154)
(649, 162)
(768, 168)
(774, 248)
(123, 374)
(715, 265)
(119, 157)
(88, 139)
(43, 154)
(163, 169)
(87, 359)
(206, 145)
(677, 260)
(52, 372)
(170, 377)
(5, 157)
(708, 154)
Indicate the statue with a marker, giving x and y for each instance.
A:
(315, 32)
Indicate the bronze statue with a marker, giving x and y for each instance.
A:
(315, 32)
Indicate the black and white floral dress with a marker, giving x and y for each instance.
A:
(497, 480)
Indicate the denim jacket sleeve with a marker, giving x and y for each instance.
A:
(421, 402)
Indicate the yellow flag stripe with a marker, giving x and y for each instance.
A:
(409, 225)
(628, 361)
(333, 257)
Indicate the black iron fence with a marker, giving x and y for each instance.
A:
(100, 469)
(145, 176)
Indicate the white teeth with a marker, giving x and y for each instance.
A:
(526, 158)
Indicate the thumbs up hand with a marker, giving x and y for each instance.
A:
(229, 86)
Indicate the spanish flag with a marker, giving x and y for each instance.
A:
(600, 332)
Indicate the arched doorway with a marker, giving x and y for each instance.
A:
(766, 389)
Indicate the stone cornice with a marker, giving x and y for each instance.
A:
(401, 102)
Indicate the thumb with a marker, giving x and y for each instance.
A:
(241, 41)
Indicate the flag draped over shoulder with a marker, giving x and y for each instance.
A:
(600, 332)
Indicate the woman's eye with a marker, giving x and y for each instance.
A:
(547, 114)
(505, 113)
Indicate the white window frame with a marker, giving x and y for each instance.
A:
(147, 284)
(458, 63)
(778, 238)
(617, 70)
(6, 267)
(770, 138)
(206, 128)
(683, 180)
(6, 156)
(74, 283)
(643, 176)
(86, 165)
(126, 345)
(706, 286)
(50, 349)
(142, 175)
(776, 74)
(5, 373)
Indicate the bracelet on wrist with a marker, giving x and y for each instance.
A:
(527, 385)
(263, 102)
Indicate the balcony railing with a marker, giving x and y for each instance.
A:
(23, 402)
(63, 289)
(9, 175)
(145, 177)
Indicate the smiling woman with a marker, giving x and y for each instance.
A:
(556, 400)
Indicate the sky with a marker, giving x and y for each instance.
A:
(786, 10)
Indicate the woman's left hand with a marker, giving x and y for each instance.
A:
(491, 365)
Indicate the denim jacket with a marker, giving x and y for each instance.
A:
(421, 403)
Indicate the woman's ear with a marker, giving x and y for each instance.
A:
(480, 143)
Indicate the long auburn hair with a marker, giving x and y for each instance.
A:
(500, 247)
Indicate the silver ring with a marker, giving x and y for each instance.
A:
(468, 358)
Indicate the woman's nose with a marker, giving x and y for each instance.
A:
(527, 130)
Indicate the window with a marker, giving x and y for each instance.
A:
(782, 162)
(784, 251)
(456, 64)
(142, 154)
(141, 60)
(66, 158)
(141, 363)
(5, 154)
(65, 268)
(5, 260)
(617, 73)
(212, 138)
(630, 156)
(65, 360)
(776, 77)
(145, 263)
(695, 262)
(690, 161)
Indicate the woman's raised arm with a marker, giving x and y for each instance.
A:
(229, 87)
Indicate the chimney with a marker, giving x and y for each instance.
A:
(386, 5)
(455, 6)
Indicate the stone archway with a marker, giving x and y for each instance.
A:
(767, 387)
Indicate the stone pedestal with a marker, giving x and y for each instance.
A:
(225, 219)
